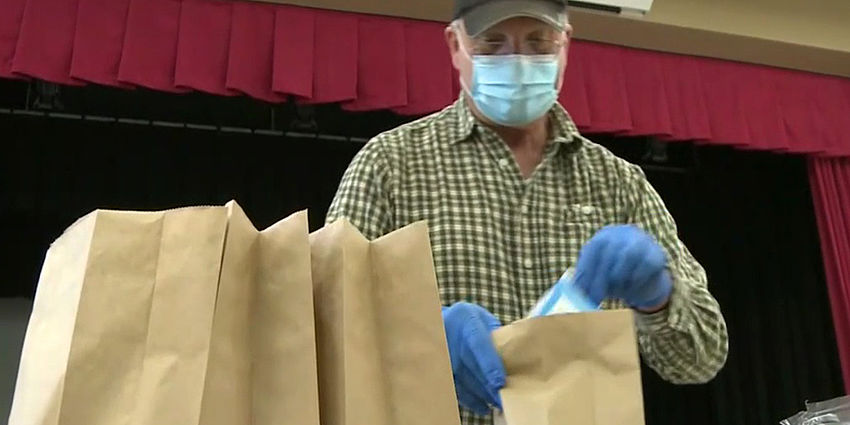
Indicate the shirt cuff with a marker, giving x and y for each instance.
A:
(670, 319)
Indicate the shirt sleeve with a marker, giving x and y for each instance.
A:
(687, 342)
(364, 194)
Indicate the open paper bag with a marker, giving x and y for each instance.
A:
(577, 368)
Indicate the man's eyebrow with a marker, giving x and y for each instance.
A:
(492, 34)
(541, 32)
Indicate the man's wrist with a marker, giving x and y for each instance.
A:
(667, 319)
(655, 309)
(662, 300)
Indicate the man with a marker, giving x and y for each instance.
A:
(514, 195)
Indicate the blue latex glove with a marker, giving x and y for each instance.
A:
(625, 263)
(478, 370)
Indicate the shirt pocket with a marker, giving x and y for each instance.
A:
(578, 223)
(585, 216)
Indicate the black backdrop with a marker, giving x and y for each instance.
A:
(746, 216)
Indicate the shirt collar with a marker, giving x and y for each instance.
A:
(565, 132)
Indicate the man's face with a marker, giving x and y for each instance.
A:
(521, 35)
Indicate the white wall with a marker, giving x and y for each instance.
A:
(14, 314)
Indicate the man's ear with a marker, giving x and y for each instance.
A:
(568, 30)
(453, 43)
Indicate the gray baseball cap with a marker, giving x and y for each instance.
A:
(479, 15)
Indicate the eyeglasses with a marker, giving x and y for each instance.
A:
(505, 46)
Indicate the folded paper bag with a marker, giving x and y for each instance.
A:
(578, 368)
(382, 353)
(186, 316)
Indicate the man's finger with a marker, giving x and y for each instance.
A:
(628, 261)
(601, 286)
(653, 261)
(587, 268)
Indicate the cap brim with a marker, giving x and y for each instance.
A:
(488, 14)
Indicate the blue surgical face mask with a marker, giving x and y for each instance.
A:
(513, 90)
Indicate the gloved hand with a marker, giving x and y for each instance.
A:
(478, 370)
(625, 263)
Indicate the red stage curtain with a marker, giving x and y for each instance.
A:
(203, 47)
(252, 51)
(99, 41)
(46, 39)
(149, 53)
(273, 52)
(10, 27)
(830, 181)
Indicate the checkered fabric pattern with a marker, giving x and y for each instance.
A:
(501, 241)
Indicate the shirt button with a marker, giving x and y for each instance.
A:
(504, 163)
(587, 210)
(528, 263)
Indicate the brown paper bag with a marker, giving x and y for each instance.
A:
(185, 316)
(262, 361)
(580, 368)
(85, 347)
(383, 358)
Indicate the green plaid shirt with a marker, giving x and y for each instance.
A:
(500, 240)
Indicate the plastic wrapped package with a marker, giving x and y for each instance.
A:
(834, 411)
(563, 297)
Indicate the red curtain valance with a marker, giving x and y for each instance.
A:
(271, 52)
